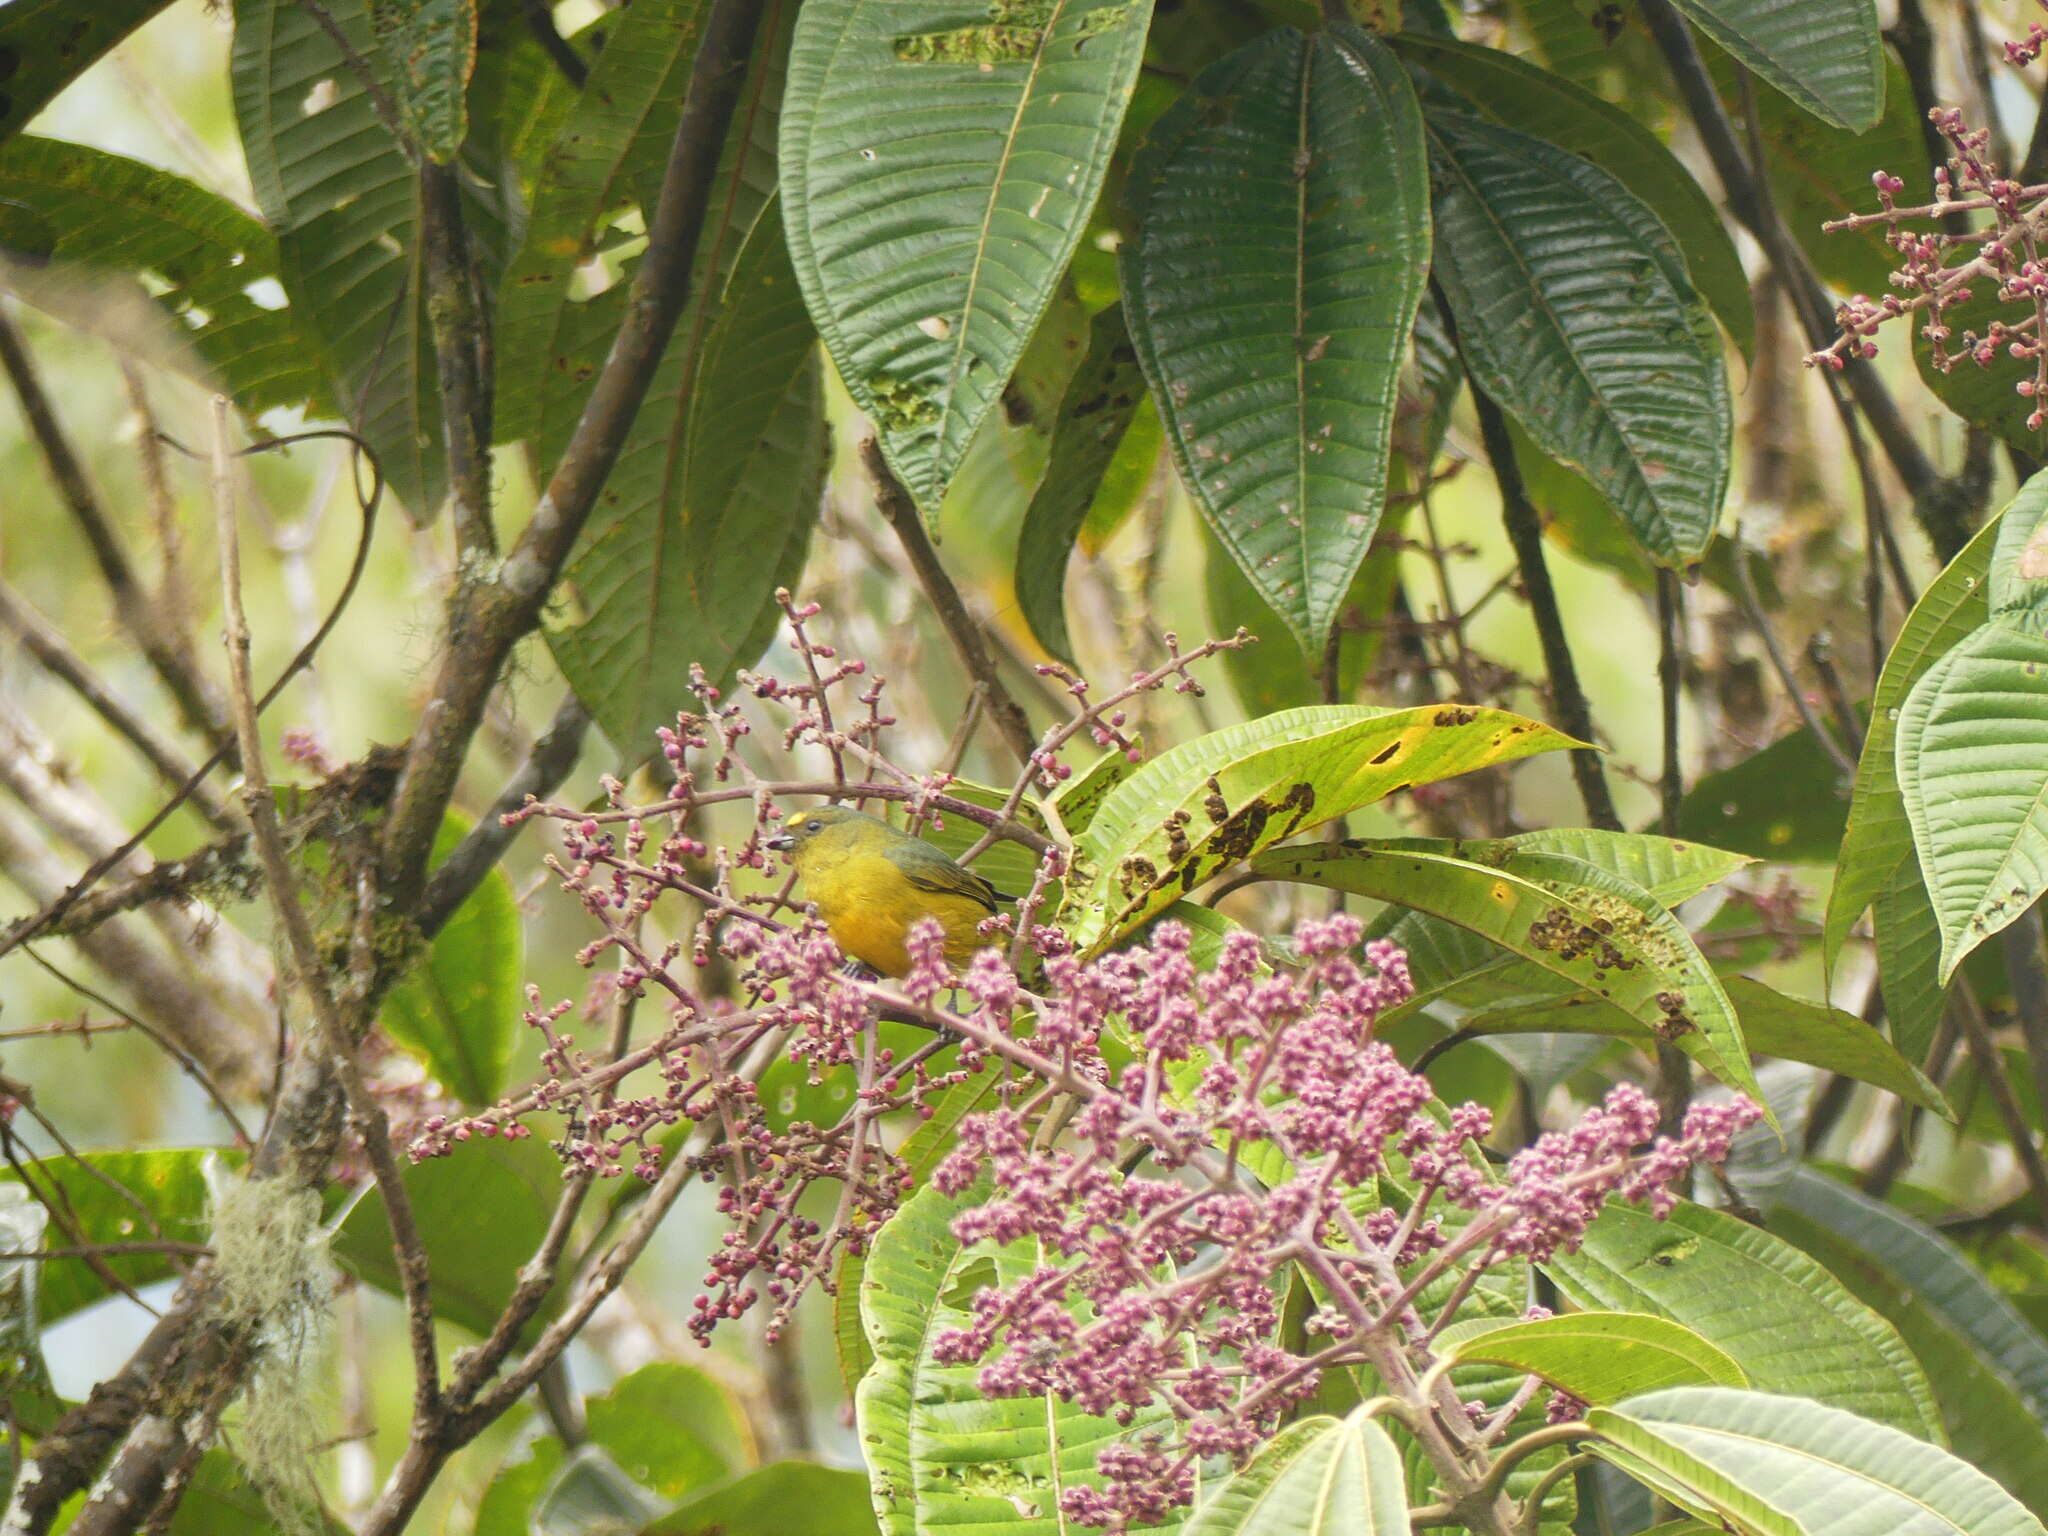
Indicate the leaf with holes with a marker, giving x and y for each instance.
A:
(1208, 803)
(209, 264)
(340, 192)
(938, 169)
(1291, 177)
(1575, 311)
(1828, 57)
(1791, 1326)
(1779, 1466)
(1972, 761)
(1606, 935)
(429, 49)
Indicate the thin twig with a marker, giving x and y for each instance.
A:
(1746, 584)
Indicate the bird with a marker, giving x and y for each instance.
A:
(871, 883)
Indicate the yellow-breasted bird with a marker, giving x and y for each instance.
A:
(871, 883)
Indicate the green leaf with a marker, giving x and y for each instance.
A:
(1780, 1466)
(938, 168)
(1598, 1357)
(777, 1500)
(344, 200)
(941, 1454)
(1878, 845)
(117, 1197)
(459, 1010)
(1788, 1323)
(592, 1496)
(1223, 797)
(708, 512)
(1787, 803)
(1319, 1477)
(46, 44)
(1986, 396)
(1989, 1368)
(1095, 415)
(482, 1211)
(1828, 58)
(1548, 106)
(516, 1488)
(429, 47)
(1973, 772)
(671, 1428)
(1908, 943)
(2018, 593)
(1291, 177)
(1576, 313)
(1604, 934)
(1075, 802)
(1772, 1025)
(105, 214)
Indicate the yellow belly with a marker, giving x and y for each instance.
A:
(870, 917)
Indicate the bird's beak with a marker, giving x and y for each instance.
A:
(779, 842)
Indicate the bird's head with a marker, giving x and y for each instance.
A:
(803, 828)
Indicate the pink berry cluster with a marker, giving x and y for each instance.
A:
(1941, 266)
(1260, 1131)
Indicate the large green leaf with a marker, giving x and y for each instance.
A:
(1972, 761)
(1598, 1357)
(46, 44)
(1292, 179)
(1789, 1324)
(1320, 1477)
(1878, 843)
(482, 1211)
(1827, 57)
(117, 1197)
(1604, 934)
(1987, 1365)
(344, 199)
(709, 510)
(1907, 938)
(429, 48)
(1783, 1466)
(1575, 311)
(106, 214)
(458, 1010)
(780, 1499)
(1223, 797)
(939, 163)
(941, 1454)
(671, 1428)
(1095, 415)
(1548, 106)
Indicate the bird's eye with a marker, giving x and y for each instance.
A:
(814, 826)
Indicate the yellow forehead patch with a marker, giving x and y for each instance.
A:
(794, 817)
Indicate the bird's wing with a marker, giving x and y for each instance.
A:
(930, 870)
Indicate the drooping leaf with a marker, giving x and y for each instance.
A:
(1827, 58)
(1225, 796)
(482, 1211)
(1791, 1326)
(344, 199)
(1598, 1357)
(1549, 106)
(1972, 760)
(430, 49)
(108, 217)
(1292, 177)
(938, 168)
(1783, 1466)
(1575, 311)
(1877, 846)
(941, 1454)
(1319, 1477)
(709, 510)
(1604, 934)
(776, 1500)
(458, 1010)
(1987, 1365)
(1095, 414)
(46, 44)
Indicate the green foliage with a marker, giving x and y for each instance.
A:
(1598, 1357)
(429, 49)
(45, 44)
(1280, 405)
(1827, 58)
(1319, 1477)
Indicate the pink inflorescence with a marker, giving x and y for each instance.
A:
(1244, 1140)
